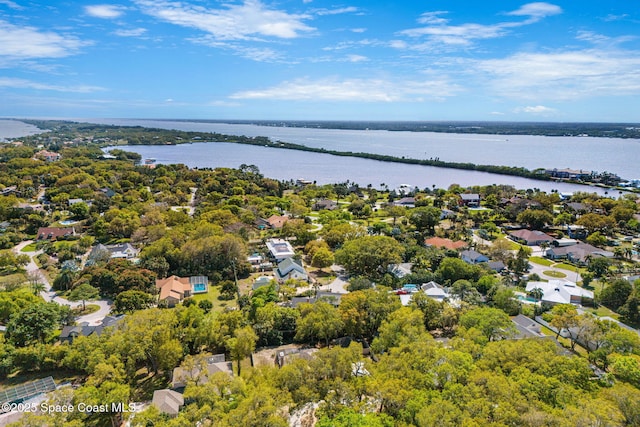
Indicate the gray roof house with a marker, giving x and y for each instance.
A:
(473, 257)
(579, 252)
(290, 268)
(211, 364)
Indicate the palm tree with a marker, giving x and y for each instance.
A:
(544, 246)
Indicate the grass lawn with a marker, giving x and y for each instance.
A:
(89, 308)
(540, 261)
(602, 311)
(556, 274)
(569, 267)
(218, 305)
(59, 376)
(512, 246)
(31, 247)
(12, 279)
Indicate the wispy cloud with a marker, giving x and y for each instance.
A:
(258, 54)
(564, 75)
(536, 109)
(338, 11)
(437, 30)
(536, 11)
(11, 5)
(358, 90)
(105, 11)
(28, 84)
(248, 21)
(30, 43)
(135, 32)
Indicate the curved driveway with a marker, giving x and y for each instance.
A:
(50, 295)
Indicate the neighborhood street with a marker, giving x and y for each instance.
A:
(48, 294)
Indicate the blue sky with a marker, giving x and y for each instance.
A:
(323, 60)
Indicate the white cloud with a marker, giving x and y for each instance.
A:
(11, 5)
(135, 32)
(28, 84)
(339, 11)
(433, 18)
(247, 21)
(565, 75)
(537, 10)
(356, 58)
(105, 11)
(29, 42)
(438, 32)
(257, 54)
(358, 30)
(358, 90)
(537, 109)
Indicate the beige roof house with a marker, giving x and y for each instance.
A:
(173, 289)
(167, 401)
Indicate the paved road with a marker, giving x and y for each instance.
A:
(50, 295)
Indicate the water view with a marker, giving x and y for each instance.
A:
(599, 154)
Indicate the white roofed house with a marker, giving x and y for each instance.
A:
(560, 292)
(280, 249)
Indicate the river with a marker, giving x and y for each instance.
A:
(615, 155)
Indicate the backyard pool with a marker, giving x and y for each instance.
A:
(199, 287)
(526, 299)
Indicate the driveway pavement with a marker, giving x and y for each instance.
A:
(49, 295)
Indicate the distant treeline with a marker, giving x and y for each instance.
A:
(606, 130)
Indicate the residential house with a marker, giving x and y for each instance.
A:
(578, 253)
(440, 242)
(434, 291)
(447, 214)
(400, 270)
(568, 173)
(497, 266)
(473, 257)
(167, 401)
(325, 205)
(47, 156)
(290, 268)
(69, 333)
(577, 232)
(286, 355)
(9, 190)
(199, 372)
(174, 289)
(120, 250)
(530, 237)
(332, 298)
(471, 200)
(276, 222)
(279, 249)
(560, 292)
(54, 233)
(407, 202)
(527, 328)
(262, 281)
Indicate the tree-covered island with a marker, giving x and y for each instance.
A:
(224, 297)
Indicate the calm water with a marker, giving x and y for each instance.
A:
(600, 154)
(327, 169)
(615, 155)
(15, 129)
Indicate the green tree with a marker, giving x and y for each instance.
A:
(242, 344)
(83, 292)
(535, 219)
(35, 323)
(563, 316)
(318, 321)
(425, 218)
(322, 258)
(616, 293)
(133, 300)
(492, 322)
(370, 256)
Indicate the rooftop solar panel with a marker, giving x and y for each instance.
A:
(27, 390)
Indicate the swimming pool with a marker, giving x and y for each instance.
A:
(527, 299)
(199, 287)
